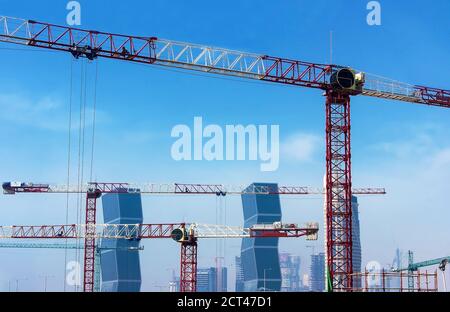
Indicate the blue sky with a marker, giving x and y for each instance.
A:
(400, 146)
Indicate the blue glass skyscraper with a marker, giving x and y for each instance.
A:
(356, 237)
(207, 280)
(317, 272)
(239, 275)
(120, 266)
(259, 256)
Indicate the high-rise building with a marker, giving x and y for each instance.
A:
(239, 275)
(306, 282)
(174, 283)
(290, 272)
(259, 256)
(356, 237)
(207, 280)
(317, 272)
(204, 279)
(120, 268)
(394, 283)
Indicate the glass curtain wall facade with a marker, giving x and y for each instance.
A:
(259, 256)
(356, 236)
(120, 266)
(317, 272)
(207, 280)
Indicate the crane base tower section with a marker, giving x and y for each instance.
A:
(120, 266)
(188, 266)
(338, 216)
(259, 256)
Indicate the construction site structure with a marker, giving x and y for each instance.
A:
(184, 233)
(339, 84)
(416, 266)
(388, 281)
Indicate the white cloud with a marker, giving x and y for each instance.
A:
(137, 136)
(21, 110)
(415, 171)
(441, 159)
(417, 141)
(301, 147)
(47, 112)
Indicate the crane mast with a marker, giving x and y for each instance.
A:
(338, 82)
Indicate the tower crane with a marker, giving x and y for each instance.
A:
(94, 190)
(11, 188)
(415, 266)
(339, 84)
(186, 234)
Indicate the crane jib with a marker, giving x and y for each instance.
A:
(153, 51)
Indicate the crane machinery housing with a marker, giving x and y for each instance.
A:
(339, 84)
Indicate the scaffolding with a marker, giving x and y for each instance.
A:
(388, 281)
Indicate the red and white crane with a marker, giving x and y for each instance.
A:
(11, 188)
(339, 83)
(167, 230)
(186, 234)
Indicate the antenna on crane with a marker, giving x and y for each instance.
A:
(331, 47)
